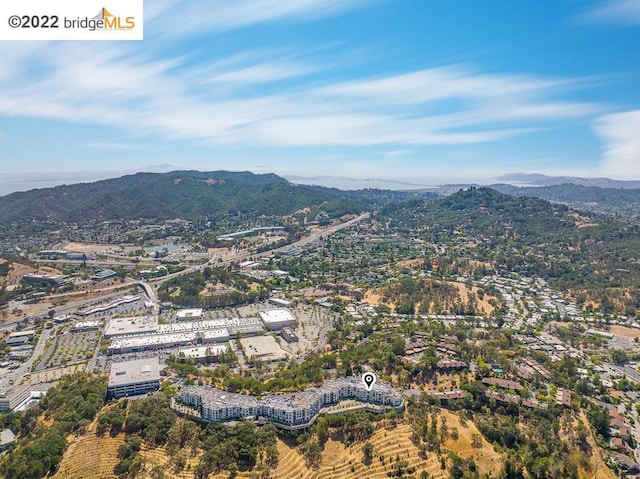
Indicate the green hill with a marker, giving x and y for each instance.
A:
(179, 194)
(585, 253)
(613, 201)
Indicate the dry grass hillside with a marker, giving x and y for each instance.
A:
(90, 456)
(94, 457)
(443, 301)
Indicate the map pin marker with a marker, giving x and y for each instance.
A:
(369, 379)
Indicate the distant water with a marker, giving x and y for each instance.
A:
(11, 186)
(343, 183)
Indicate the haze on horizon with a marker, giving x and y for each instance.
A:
(410, 91)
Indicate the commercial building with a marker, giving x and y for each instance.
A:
(144, 333)
(276, 319)
(288, 335)
(82, 326)
(7, 437)
(104, 275)
(288, 411)
(55, 280)
(12, 397)
(249, 232)
(203, 353)
(282, 303)
(20, 337)
(106, 307)
(131, 326)
(133, 378)
(189, 314)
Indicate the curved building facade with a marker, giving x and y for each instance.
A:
(290, 410)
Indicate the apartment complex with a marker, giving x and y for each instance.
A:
(291, 410)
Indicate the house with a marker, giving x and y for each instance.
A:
(625, 463)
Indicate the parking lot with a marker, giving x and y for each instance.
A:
(54, 375)
(68, 348)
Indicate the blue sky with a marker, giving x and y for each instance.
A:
(426, 91)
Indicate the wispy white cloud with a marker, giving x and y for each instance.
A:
(624, 12)
(397, 153)
(197, 98)
(621, 156)
(108, 145)
(267, 72)
(188, 17)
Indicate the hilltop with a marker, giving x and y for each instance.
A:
(586, 254)
(179, 194)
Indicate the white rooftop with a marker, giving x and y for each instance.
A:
(136, 371)
(203, 351)
(131, 325)
(281, 315)
(189, 313)
(26, 332)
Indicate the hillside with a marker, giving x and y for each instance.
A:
(426, 296)
(624, 202)
(583, 253)
(94, 456)
(179, 194)
(537, 179)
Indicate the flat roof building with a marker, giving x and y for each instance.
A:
(201, 353)
(276, 319)
(283, 303)
(20, 337)
(288, 335)
(134, 344)
(55, 280)
(131, 326)
(133, 378)
(81, 326)
(12, 397)
(189, 314)
(142, 333)
(104, 275)
(7, 437)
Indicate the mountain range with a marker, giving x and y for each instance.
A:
(194, 194)
(178, 194)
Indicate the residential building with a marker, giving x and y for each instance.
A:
(291, 410)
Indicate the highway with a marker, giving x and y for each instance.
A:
(287, 248)
(149, 288)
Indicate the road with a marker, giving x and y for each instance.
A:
(244, 255)
(630, 373)
(149, 288)
(25, 367)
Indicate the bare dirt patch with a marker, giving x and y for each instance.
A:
(625, 332)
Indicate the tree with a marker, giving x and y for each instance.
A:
(367, 451)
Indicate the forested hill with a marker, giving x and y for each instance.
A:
(580, 252)
(613, 201)
(179, 194)
(484, 212)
